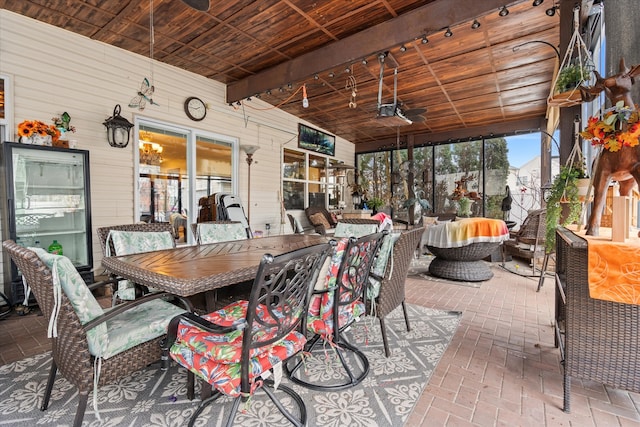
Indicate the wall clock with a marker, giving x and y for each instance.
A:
(195, 108)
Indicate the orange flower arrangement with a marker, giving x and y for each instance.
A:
(30, 128)
(619, 127)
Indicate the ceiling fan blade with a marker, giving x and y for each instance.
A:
(417, 119)
(201, 5)
(414, 111)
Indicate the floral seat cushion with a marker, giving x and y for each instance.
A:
(380, 264)
(135, 326)
(216, 357)
(355, 230)
(320, 318)
(213, 233)
(134, 242)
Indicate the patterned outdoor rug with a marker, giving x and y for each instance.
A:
(155, 398)
(420, 268)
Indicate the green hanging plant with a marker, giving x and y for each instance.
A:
(564, 191)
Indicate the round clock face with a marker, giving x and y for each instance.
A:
(195, 108)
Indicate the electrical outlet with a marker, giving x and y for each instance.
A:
(267, 226)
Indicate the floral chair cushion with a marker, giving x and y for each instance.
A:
(213, 233)
(216, 357)
(320, 318)
(139, 324)
(135, 326)
(355, 230)
(380, 264)
(133, 242)
(67, 279)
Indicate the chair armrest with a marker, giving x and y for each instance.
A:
(113, 280)
(200, 322)
(121, 308)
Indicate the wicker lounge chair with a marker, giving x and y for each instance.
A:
(82, 335)
(529, 241)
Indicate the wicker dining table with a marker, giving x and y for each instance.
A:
(189, 270)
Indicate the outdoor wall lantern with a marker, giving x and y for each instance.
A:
(356, 198)
(118, 129)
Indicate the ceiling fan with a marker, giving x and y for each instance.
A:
(201, 5)
(392, 113)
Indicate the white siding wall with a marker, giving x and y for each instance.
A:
(55, 70)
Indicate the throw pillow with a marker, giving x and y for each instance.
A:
(429, 220)
(319, 219)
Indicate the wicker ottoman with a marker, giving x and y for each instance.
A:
(463, 263)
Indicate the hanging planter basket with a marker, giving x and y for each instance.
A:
(575, 70)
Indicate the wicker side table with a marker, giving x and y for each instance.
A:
(464, 263)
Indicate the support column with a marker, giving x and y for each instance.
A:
(622, 29)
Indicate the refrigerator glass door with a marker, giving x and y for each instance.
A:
(49, 201)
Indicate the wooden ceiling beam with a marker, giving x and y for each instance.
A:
(428, 19)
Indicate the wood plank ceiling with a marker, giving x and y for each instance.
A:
(269, 48)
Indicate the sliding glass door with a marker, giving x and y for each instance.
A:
(177, 167)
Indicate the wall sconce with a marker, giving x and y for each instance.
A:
(117, 129)
(150, 153)
(249, 150)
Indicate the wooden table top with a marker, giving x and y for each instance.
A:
(188, 270)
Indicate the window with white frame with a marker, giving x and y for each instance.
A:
(310, 180)
(179, 166)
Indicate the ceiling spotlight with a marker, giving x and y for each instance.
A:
(269, 92)
(448, 33)
(316, 77)
(475, 25)
(289, 85)
(238, 103)
(364, 61)
(331, 75)
(503, 11)
(425, 40)
(257, 95)
(551, 11)
(249, 98)
(537, 2)
(403, 48)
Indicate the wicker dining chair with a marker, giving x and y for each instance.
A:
(120, 341)
(235, 349)
(218, 231)
(388, 276)
(336, 304)
(109, 248)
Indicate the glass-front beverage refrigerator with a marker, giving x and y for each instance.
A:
(47, 198)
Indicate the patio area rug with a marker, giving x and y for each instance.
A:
(155, 398)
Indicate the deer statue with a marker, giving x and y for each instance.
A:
(622, 166)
